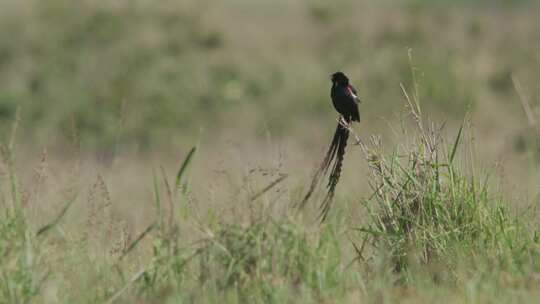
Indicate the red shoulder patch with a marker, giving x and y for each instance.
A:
(350, 91)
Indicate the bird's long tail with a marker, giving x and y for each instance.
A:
(339, 143)
(334, 158)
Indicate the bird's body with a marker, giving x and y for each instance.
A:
(344, 97)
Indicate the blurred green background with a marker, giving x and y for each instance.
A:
(140, 74)
(112, 94)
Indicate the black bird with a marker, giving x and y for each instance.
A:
(345, 100)
(344, 97)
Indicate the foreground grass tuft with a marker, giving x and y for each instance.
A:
(426, 211)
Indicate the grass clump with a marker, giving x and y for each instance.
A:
(427, 213)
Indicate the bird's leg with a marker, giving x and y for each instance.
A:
(347, 126)
(343, 122)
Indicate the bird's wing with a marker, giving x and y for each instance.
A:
(353, 93)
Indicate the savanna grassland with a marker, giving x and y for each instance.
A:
(157, 151)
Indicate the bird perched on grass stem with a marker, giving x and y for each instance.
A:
(345, 101)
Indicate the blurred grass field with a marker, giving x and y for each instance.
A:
(100, 102)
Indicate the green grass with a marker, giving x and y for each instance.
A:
(426, 213)
(431, 228)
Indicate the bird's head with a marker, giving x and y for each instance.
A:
(340, 79)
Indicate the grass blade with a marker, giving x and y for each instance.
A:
(133, 279)
(137, 240)
(169, 197)
(456, 143)
(157, 200)
(58, 218)
(185, 165)
(267, 188)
